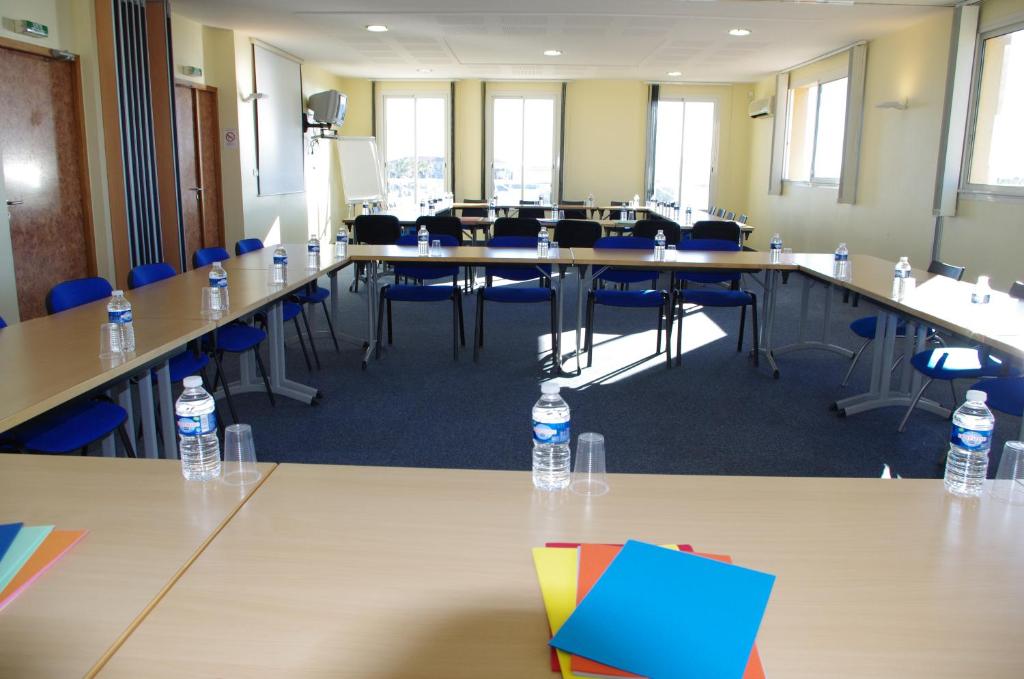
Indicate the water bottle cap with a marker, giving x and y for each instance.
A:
(193, 381)
(118, 293)
(977, 395)
(549, 388)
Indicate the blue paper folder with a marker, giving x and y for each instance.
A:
(666, 614)
(8, 531)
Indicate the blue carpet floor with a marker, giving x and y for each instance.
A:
(715, 414)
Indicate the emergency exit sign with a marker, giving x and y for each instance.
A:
(33, 28)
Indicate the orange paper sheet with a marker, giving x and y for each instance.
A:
(56, 544)
(593, 560)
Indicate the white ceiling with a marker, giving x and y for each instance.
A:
(492, 39)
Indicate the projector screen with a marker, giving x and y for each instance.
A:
(279, 142)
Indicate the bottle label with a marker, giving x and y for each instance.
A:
(197, 425)
(122, 316)
(970, 439)
(775, 246)
(342, 238)
(550, 432)
(902, 274)
(218, 282)
(314, 249)
(280, 259)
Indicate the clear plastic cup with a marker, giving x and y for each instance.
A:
(211, 303)
(110, 341)
(589, 476)
(239, 466)
(1009, 484)
(787, 256)
(435, 248)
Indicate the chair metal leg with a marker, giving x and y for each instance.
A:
(478, 334)
(661, 313)
(380, 320)
(391, 331)
(330, 326)
(669, 320)
(678, 300)
(555, 351)
(743, 321)
(126, 439)
(590, 331)
(956, 399)
(455, 326)
(853, 362)
(302, 344)
(913, 404)
(309, 332)
(462, 321)
(263, 374)
(217, 355)
(754, 329)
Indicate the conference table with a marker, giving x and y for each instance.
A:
(394, 572)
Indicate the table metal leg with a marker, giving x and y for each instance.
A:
(823, 344)
(147, 413)
(768, 319)
(372, 293)
(163, 386)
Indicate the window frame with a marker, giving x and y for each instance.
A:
(824, 182)
(416, 94)
(556, 141)
(968, 189)
(716, 101)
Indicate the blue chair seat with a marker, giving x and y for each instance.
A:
(629, 298)
(419, 293)
(1005, 394)
(726, 298)
(290, 310)
(867, 327)
(517, 295)
(186, 363)
(314, 296)
(237, 337)
(959, 362)
(71, 427)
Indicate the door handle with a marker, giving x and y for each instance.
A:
(14, 202)
(195, 188)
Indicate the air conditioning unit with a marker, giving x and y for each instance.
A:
(328, 108)
(762, 108)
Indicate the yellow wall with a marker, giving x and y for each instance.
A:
(468, 139)
(898, 161)
(187, 47)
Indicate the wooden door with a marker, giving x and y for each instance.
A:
(199, 167)
(45, 172)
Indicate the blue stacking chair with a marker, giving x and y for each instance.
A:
(235, 338)
(187, 362)
(515, 295)
(424, 293)
(1005, 394)
(516, 226)
(76, 425)
(290, 309)
(867, 326)
(713, 296)
(650, 298)
(951, 363)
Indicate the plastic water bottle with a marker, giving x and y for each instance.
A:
(775, 249)
(689, 216)
(659, 245)
(219, 280)
(590, 200)
(492, 208)
(119, 311)
(280, 265)
(636, 200)
(198, 446)
(423, 241)
(341, 242)
(969, 443)
(982, 293)
(543, 242)
(841, 266)
(366, 208)
(899, 280)
(313, 252)
(551, 435)
(431, 207)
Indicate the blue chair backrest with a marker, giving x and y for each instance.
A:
(248, 245)
(3, 323)
(209, 256)
(522, 272)
(144, 274)
(427, 272)
(77, 292)
(626, 275)
(709, 244)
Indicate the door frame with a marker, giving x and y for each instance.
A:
(202, 87)
(88, 226)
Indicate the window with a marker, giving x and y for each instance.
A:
(684, 149)
(996, 159)
(415, 143)
(523, 148)
(814, 132)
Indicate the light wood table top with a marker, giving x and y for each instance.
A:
(377, 572)
(298, 261)
(50, 360)
(679, 259)
(465, 254)
(145, 523)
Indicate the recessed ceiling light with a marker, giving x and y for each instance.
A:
(675, 74)
(739, 32)
(424, 70)
(377, 28)
(552, 53)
